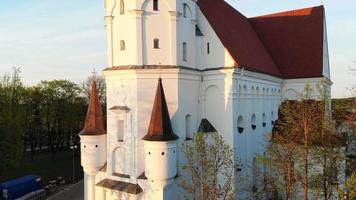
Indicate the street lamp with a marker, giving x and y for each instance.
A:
(73, 147)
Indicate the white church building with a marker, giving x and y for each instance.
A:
(179, 66)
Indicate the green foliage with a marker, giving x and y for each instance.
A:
(350, 188)
(11, 124)
(211, 165)
(47, 116)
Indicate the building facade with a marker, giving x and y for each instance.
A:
(214, 65)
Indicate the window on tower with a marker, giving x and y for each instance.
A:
(120, 130)
(185, 51)
(185, 7)
(155, 5)
(122, 45)
(122, 7)
(208, 48)
(188, 127)
(156, 43)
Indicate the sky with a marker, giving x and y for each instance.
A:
(52, 39)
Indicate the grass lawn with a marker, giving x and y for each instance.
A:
(47, 168)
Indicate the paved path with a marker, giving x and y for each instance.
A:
(74, 192)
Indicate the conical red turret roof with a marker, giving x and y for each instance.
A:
(160, 127)
(94, 122)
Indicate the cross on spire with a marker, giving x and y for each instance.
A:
(94, 73)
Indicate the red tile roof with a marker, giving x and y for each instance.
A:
(160, 128)
(287, 44)
(94, 122)
(294, 39)
(238, 36)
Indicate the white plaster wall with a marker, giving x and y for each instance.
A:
(93, 150)
(254, 94)
(121, 91)
(292, 88)
(186, 33)
(326, 63)
(156, 24)
(218, 56)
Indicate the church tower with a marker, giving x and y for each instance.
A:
(151, 32)
(93, 144)
(160, 144)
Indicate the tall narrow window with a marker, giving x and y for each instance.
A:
(122, 45)
(185, 51)
(122, 7)
(185, 10)
(156, 43)
(253, 122)
(208, 48)
(155, 5)
(120, 131)
(188, 127)
(240, 126)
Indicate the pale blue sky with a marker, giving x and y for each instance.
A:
(52, 39)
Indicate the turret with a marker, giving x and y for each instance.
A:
(160, 147)
(93, 143)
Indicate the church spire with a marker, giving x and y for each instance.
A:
(94, 123)
(160, 127)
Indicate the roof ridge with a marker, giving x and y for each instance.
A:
(292, 12)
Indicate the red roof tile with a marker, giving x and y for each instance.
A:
(294, 39)
(238, 36)
(94, 122)
(160, 128)
(287, 44)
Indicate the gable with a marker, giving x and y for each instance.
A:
(238, 37)
(295, 40)
(289, 44)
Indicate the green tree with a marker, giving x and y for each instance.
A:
(59, 97)
(350, 188)
(210, 166)
(11, 129)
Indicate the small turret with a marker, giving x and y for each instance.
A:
(93, 143)
(160, 147)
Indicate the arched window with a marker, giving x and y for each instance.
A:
(156, 43)
(122, 7)
(264, 120)
(245, 88)
(188, 127)
(155, 5)
(185, 53)
(253, 122)
(240, 125)
(252, 89)
(272, 118)
(185, 9)
(122, 45)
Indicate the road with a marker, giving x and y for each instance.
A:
(74, 192)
